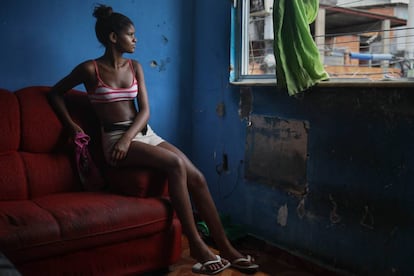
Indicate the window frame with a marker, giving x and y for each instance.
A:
(239, 47)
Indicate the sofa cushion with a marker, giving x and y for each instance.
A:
(86, 220)
(133, 257)
(88, 214)
(41, 129)
(9, 121)
(13, 184)
(24, 224)
(50, 173)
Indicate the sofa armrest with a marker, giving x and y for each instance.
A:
(140, 182)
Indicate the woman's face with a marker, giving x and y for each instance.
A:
(126, 40)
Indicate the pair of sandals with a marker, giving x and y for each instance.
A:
(244, 265)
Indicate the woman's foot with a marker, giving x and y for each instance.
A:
(206, 267)
(243, 263)
(208, 263)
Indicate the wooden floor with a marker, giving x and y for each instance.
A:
(272, 261)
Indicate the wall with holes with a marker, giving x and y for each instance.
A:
(357, 211)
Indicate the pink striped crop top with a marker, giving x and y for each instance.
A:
(105, 94)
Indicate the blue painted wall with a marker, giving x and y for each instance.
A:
(42, 41)
(358, 213)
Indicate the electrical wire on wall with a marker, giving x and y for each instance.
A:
(238, 178)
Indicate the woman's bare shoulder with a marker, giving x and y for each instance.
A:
(84, 72)
(136, 64)
(86, 67)
(137, 67)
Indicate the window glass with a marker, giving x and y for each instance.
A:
(259, 30)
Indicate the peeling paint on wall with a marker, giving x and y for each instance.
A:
(164, 39)
(367, 219)
(153, 63)
(245, 103)
(220, 109)
(300, 209)
(304, 213)
(333, 216)
(162, 65)
(282, 215)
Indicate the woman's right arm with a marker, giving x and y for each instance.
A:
(56, 100)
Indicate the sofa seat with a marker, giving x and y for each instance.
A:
(67, 222)
(24, 224)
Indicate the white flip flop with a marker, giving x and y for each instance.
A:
(202, 268)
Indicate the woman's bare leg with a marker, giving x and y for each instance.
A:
(162, 157)
(205, 205)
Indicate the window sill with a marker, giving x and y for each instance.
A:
(333, 83)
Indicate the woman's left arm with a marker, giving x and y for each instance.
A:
(141, 120)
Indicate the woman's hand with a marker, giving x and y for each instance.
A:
(73, 130)
(120, 150)
(76, 129)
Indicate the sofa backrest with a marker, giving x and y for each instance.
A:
(36, 157)
(13, 184)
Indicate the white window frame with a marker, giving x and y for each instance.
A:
(239, 61)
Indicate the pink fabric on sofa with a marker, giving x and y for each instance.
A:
(89, 174)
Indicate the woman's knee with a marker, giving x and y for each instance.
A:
(176, 164)
(196, 180)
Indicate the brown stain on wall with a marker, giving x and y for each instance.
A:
(276, 152)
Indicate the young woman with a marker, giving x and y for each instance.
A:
(112, 83)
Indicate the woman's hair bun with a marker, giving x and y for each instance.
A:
(108, 21)
(102, 12)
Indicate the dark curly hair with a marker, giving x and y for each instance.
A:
(108, 21)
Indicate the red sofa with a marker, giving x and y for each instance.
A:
(49, 224)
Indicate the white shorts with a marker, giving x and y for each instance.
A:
(109, 139)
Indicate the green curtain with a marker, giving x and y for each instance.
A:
(298, 64)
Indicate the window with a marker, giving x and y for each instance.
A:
(364, 42)
(253, 40)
